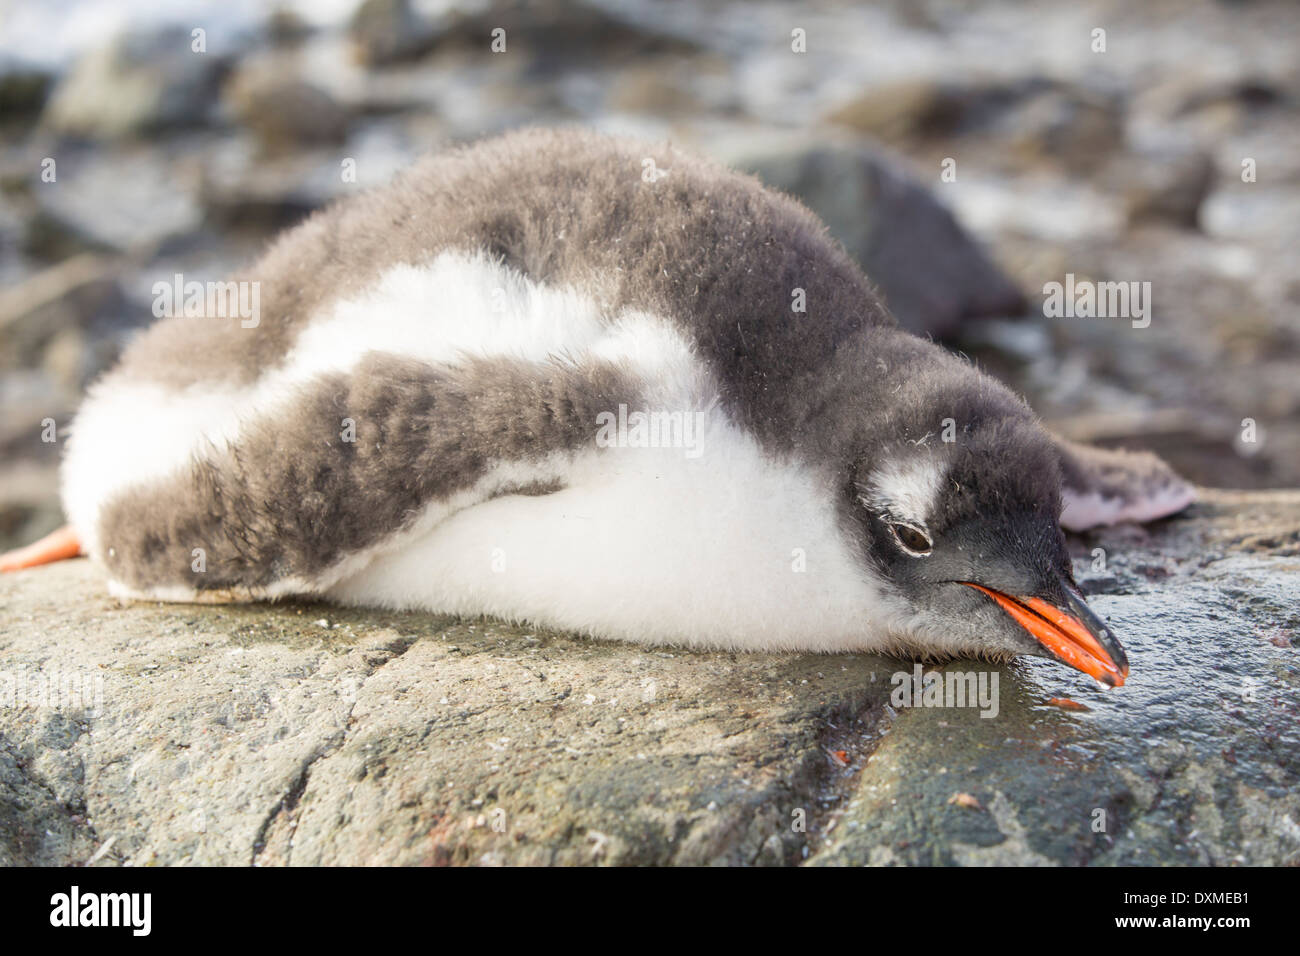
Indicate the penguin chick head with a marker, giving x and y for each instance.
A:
(967, 534)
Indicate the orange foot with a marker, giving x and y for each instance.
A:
(53, 547)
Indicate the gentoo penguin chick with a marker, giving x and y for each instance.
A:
(602, 386)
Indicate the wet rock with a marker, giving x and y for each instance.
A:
(244, 735)
(136, 84)
(931, 272)
(1194, 761)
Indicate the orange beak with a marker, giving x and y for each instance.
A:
(1088, 647)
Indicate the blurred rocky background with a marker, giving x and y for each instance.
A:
(142, 139)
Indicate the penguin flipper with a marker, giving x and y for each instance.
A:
(1105, 486)
(314, 488)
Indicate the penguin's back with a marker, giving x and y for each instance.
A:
(631, 225)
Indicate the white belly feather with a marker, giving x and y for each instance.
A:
(728, 549)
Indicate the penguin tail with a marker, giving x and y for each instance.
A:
(56, 546)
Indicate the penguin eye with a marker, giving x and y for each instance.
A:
(911, 539)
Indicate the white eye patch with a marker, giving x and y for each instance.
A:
(905, 488)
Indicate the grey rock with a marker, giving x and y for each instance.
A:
(308, 734)
(932, 273)
(313, 734)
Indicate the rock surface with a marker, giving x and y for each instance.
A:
(302, 733)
